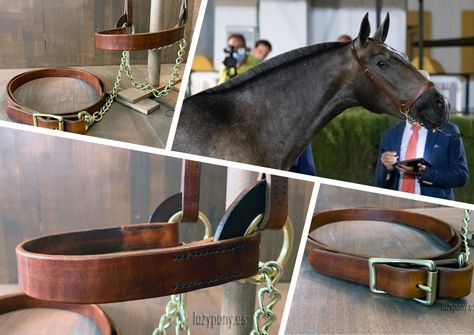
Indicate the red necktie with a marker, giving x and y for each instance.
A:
(408, 180)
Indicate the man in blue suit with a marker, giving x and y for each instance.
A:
(445, 156)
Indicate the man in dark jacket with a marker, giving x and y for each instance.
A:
(445, 167)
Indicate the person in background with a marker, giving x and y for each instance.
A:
(444, 166)
(238, 61)
(241, 62)
(261, 49)
(304, 163)
(344, 38)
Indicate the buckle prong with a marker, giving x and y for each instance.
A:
(431, 282)
(58, 118)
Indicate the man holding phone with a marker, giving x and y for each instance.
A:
(415, 160)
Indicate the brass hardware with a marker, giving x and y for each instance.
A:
(201, 217)
(431, 283)
(58, 118)
(465, 252)
(287, 246)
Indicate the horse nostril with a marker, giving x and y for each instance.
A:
(440, 105)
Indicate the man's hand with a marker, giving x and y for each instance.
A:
(388, 159)
(409, 169)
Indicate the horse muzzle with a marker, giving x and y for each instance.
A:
(432, 108)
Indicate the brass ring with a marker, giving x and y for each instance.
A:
(287, 246)
(404, 109)
(201, 217)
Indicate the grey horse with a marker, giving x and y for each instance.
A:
(268, 115)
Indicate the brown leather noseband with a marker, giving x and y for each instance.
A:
(421, 279)
(119, 39)
(403, 106)
(140, 261)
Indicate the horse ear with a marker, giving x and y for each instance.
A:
(364, 31)
(381, 33)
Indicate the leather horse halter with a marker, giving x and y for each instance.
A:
(140, 261)
(113, 39)
(403, 106)
(444, 275)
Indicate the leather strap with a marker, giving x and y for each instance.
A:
(128, 263)
(15, 302)
(276, 211)
(143, 261)
(118, 39)
(401, 280)
(268, 196)
(402, 105)
(190, 186)
(71, 120)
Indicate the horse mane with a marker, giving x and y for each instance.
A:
(275, 62)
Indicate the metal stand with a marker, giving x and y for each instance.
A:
(238, 299)
(137, 99)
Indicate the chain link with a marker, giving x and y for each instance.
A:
(174, 75)
(175, 312)
(126, 68)
(465, 252)
(268, 296)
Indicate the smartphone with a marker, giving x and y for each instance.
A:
(413, 162)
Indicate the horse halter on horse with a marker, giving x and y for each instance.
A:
(403, 106)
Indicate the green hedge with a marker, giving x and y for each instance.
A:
(346, 149)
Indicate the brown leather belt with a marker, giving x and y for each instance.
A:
(421, 279)
(70, 121)
(143, 261)
(15, 302)
(118, 39)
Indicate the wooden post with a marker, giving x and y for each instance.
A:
(157, 18)
(238, 299)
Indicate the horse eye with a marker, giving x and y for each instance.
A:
(382, 64)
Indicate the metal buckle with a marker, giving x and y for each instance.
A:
(432, 280)
(60, 119)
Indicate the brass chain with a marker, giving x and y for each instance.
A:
(98, 115)
(174, 75)
(175, 312)
(268, 296)
(465, 252)
(125, 68)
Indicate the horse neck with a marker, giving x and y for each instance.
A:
(289, 110)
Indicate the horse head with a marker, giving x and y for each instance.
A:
(385, 81)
